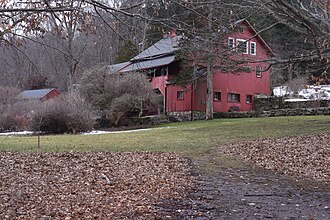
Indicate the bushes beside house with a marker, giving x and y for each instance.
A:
(118, 96)
(119, 100)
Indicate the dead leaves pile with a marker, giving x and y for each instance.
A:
(304, 156)
(89, 185)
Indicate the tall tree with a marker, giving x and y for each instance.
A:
(205, 29)
(302, 33)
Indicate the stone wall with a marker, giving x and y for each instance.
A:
(275, 112)
(267, 103)
(263, 107)
(273, 103)
(185, 116)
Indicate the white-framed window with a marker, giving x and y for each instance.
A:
(234, 97)
(253, 48)
(242, 46)
(258, 71)
(231, 42)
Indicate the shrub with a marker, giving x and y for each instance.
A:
(7, 121)
(66, 114)
(15, 117)
(7, 111)
(118, 96)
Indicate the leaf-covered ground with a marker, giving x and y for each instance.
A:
(90, 185)
(305, 156)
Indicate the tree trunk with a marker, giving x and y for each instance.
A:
(209, 95)
(209, 76)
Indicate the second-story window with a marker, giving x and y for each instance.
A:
(242, 46)
(253, 48)
(231, 43)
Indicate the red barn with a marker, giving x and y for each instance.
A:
(232, 91)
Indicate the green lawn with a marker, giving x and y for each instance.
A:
(189, 138)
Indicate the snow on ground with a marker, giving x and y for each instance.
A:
(310, 92)
(281, 91)
(296, 100)
(16, 133)
(94, 132)
(119, 132)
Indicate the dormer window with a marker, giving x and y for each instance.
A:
(253, 48)
(242, 46)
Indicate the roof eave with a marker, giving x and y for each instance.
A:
(271, 52)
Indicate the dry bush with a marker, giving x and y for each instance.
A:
(118, 96)
(8, 95)
(15, 116)
(7, 121)
(297, 84)
(7, 98)
(66, 114)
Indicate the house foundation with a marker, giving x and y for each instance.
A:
(186, 115)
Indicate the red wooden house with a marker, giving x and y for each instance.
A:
(232, 92)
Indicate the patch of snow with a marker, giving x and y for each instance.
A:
(281, 91)
(309, 92)
(16, 133)
(94, 132)
(296, 100)
(119, 132)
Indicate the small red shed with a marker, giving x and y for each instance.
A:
(39, 94)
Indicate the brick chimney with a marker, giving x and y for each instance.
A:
(170, 34)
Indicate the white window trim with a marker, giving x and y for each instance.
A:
(230, 38)
(255, 48)
(244, 41)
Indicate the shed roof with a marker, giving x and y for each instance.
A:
(146, 64)
(163, 47)
(117, 67)
(34, 94)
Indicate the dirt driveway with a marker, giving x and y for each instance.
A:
(232, 189)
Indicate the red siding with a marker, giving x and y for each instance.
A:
(159, 83)
(52, 94)
(177, 105)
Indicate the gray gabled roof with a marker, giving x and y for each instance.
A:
(34, 94)
(161, 48)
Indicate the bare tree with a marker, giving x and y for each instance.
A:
(310, 20)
